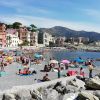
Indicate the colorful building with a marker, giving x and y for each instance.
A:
(12, 38)
(2, 35)
(23, 33)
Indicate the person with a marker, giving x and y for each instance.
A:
(59, 69)
(90, 66)
(81, 72)
(2, 66)
(23, 72)
(66, 66)
(46, 68)
(45, 78)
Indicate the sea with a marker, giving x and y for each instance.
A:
(71, 55)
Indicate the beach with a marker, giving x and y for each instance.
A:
(11, 79)
(30, 86)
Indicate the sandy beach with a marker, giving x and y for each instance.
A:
(11, 79)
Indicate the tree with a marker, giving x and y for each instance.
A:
(9, 26)
(25, 43)
(33, 28)
(29, 28)
(51, 44)
(16, 25)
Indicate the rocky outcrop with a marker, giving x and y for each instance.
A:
(93, 83)
(86, 96)
(97, 93)
(69, 88)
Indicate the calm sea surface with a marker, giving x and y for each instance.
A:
(59, 55)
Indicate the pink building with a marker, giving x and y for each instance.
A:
(2, 35)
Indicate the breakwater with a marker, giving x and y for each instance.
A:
(72, 88)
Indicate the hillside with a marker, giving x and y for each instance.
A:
(63, 31)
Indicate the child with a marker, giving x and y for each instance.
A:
(81, 72)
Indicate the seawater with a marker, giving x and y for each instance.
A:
(60, 55)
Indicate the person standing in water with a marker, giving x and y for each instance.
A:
(90, 66)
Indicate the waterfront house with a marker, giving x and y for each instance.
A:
(23, 33)
(34, 38)
(47, 38)
(12, 38)
(2, 35)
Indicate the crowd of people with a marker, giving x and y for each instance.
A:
(26, 61)
(60, 67)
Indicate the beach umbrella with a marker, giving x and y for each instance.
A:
(65, 61)
(53, 62)
(9, 58)
(79, 60)
(36, 55)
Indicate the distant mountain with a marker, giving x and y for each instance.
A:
(63, 31)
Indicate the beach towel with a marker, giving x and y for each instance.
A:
(3, 73)
(72, 72)
(25, 74)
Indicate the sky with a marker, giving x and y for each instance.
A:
(73, 14)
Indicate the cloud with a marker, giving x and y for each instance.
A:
(32, 10)
(92, 13)
(47, 22)
(10, 3)
(23, 7)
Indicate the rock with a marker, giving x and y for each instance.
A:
(60, 88)
(98, 75)
(52, 95)
(23, 94)
(97, 93)
(93, 83)
(49, 94)
(8, 96)
(36, 95)
(71, 89)
(86, 96)
(77, 83)
(1, 95)
(70, 96)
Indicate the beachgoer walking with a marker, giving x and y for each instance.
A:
(2, 66)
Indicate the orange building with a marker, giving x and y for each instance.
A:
(23, 33)
(2, 35)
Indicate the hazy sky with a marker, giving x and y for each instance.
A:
(74, 14)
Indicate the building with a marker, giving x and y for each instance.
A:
(34, 38)
(23, 33)
(12, 38)
(2, 35)
(79, 40)
(47, 38)
(28, 37)
(60, 41)
(44, 39)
